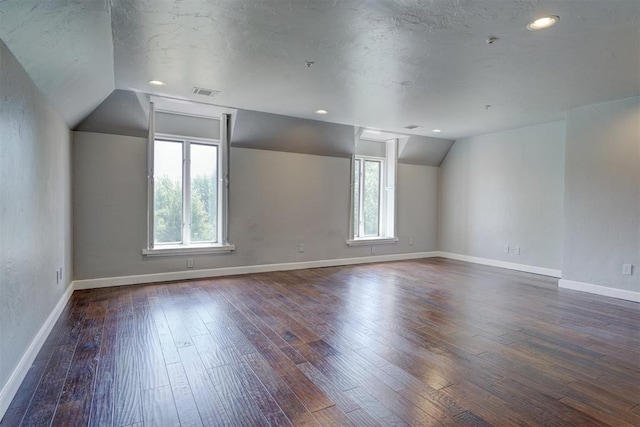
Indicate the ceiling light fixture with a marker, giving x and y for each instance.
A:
(436, 130)
(321, 111)
(157, 83)
(542, 23)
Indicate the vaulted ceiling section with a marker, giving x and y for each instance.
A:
(385, 63)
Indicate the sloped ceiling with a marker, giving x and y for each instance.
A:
(423, 150)
(122, 113)
(254, 129)
(66, 47)
(127, 113)
(383, 64)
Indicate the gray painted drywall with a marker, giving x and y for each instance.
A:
(186, 125)
(370, 148)
(127, 113)
(122, 113)
(35, 212)
(417, 207)
(502, 189)
(602, 194)
(424, 150)
(253, 129)
(66, 48)
(277, 200)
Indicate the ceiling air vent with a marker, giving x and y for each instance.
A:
(411, 127)
(204, 92)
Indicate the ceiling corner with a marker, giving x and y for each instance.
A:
(67, 50)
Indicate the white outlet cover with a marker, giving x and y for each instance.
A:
(627, 269)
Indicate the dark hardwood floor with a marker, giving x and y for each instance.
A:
(426, 342)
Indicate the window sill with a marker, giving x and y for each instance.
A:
(188, 250)
(367, 241)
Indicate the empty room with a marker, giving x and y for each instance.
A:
(319, 213)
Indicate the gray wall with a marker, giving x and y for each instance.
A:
(35, 212)
(602, 194)
(277, 200)
(502, 189)
(417, 207)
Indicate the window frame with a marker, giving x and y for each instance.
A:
(360, 234)
(387, 226)
(187, 185)
(188, 248)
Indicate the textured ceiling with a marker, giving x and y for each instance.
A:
(383, 64)
(66, 47)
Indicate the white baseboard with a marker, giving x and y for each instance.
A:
(599, 290)
(232, 271)
(20, 372)
(502, 264)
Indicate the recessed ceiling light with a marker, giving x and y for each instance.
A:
(542, 23)
(321, 111)
(157, 83)
(436, 130)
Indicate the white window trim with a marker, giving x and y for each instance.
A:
(385, 237)
(222, 245)
(170, 250)
(381, 197)
(368, 241)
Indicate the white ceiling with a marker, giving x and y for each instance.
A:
(383, 64)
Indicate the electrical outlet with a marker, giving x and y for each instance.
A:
(506, 249)
(373, 250)
(410, 241)
(627, 269)
(189, 262)
(516, 250)
(300, 247)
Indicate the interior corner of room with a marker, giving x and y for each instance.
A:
(557, 195)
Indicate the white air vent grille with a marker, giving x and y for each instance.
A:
(413, 127)
(204, 92)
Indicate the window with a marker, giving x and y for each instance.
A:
(187, 191)
(367, 196)
(373, 193)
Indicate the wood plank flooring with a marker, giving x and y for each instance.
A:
(425, 342)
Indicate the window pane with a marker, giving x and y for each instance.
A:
(204, 193)
(167, 192)
(371, 208)
(356, 198)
